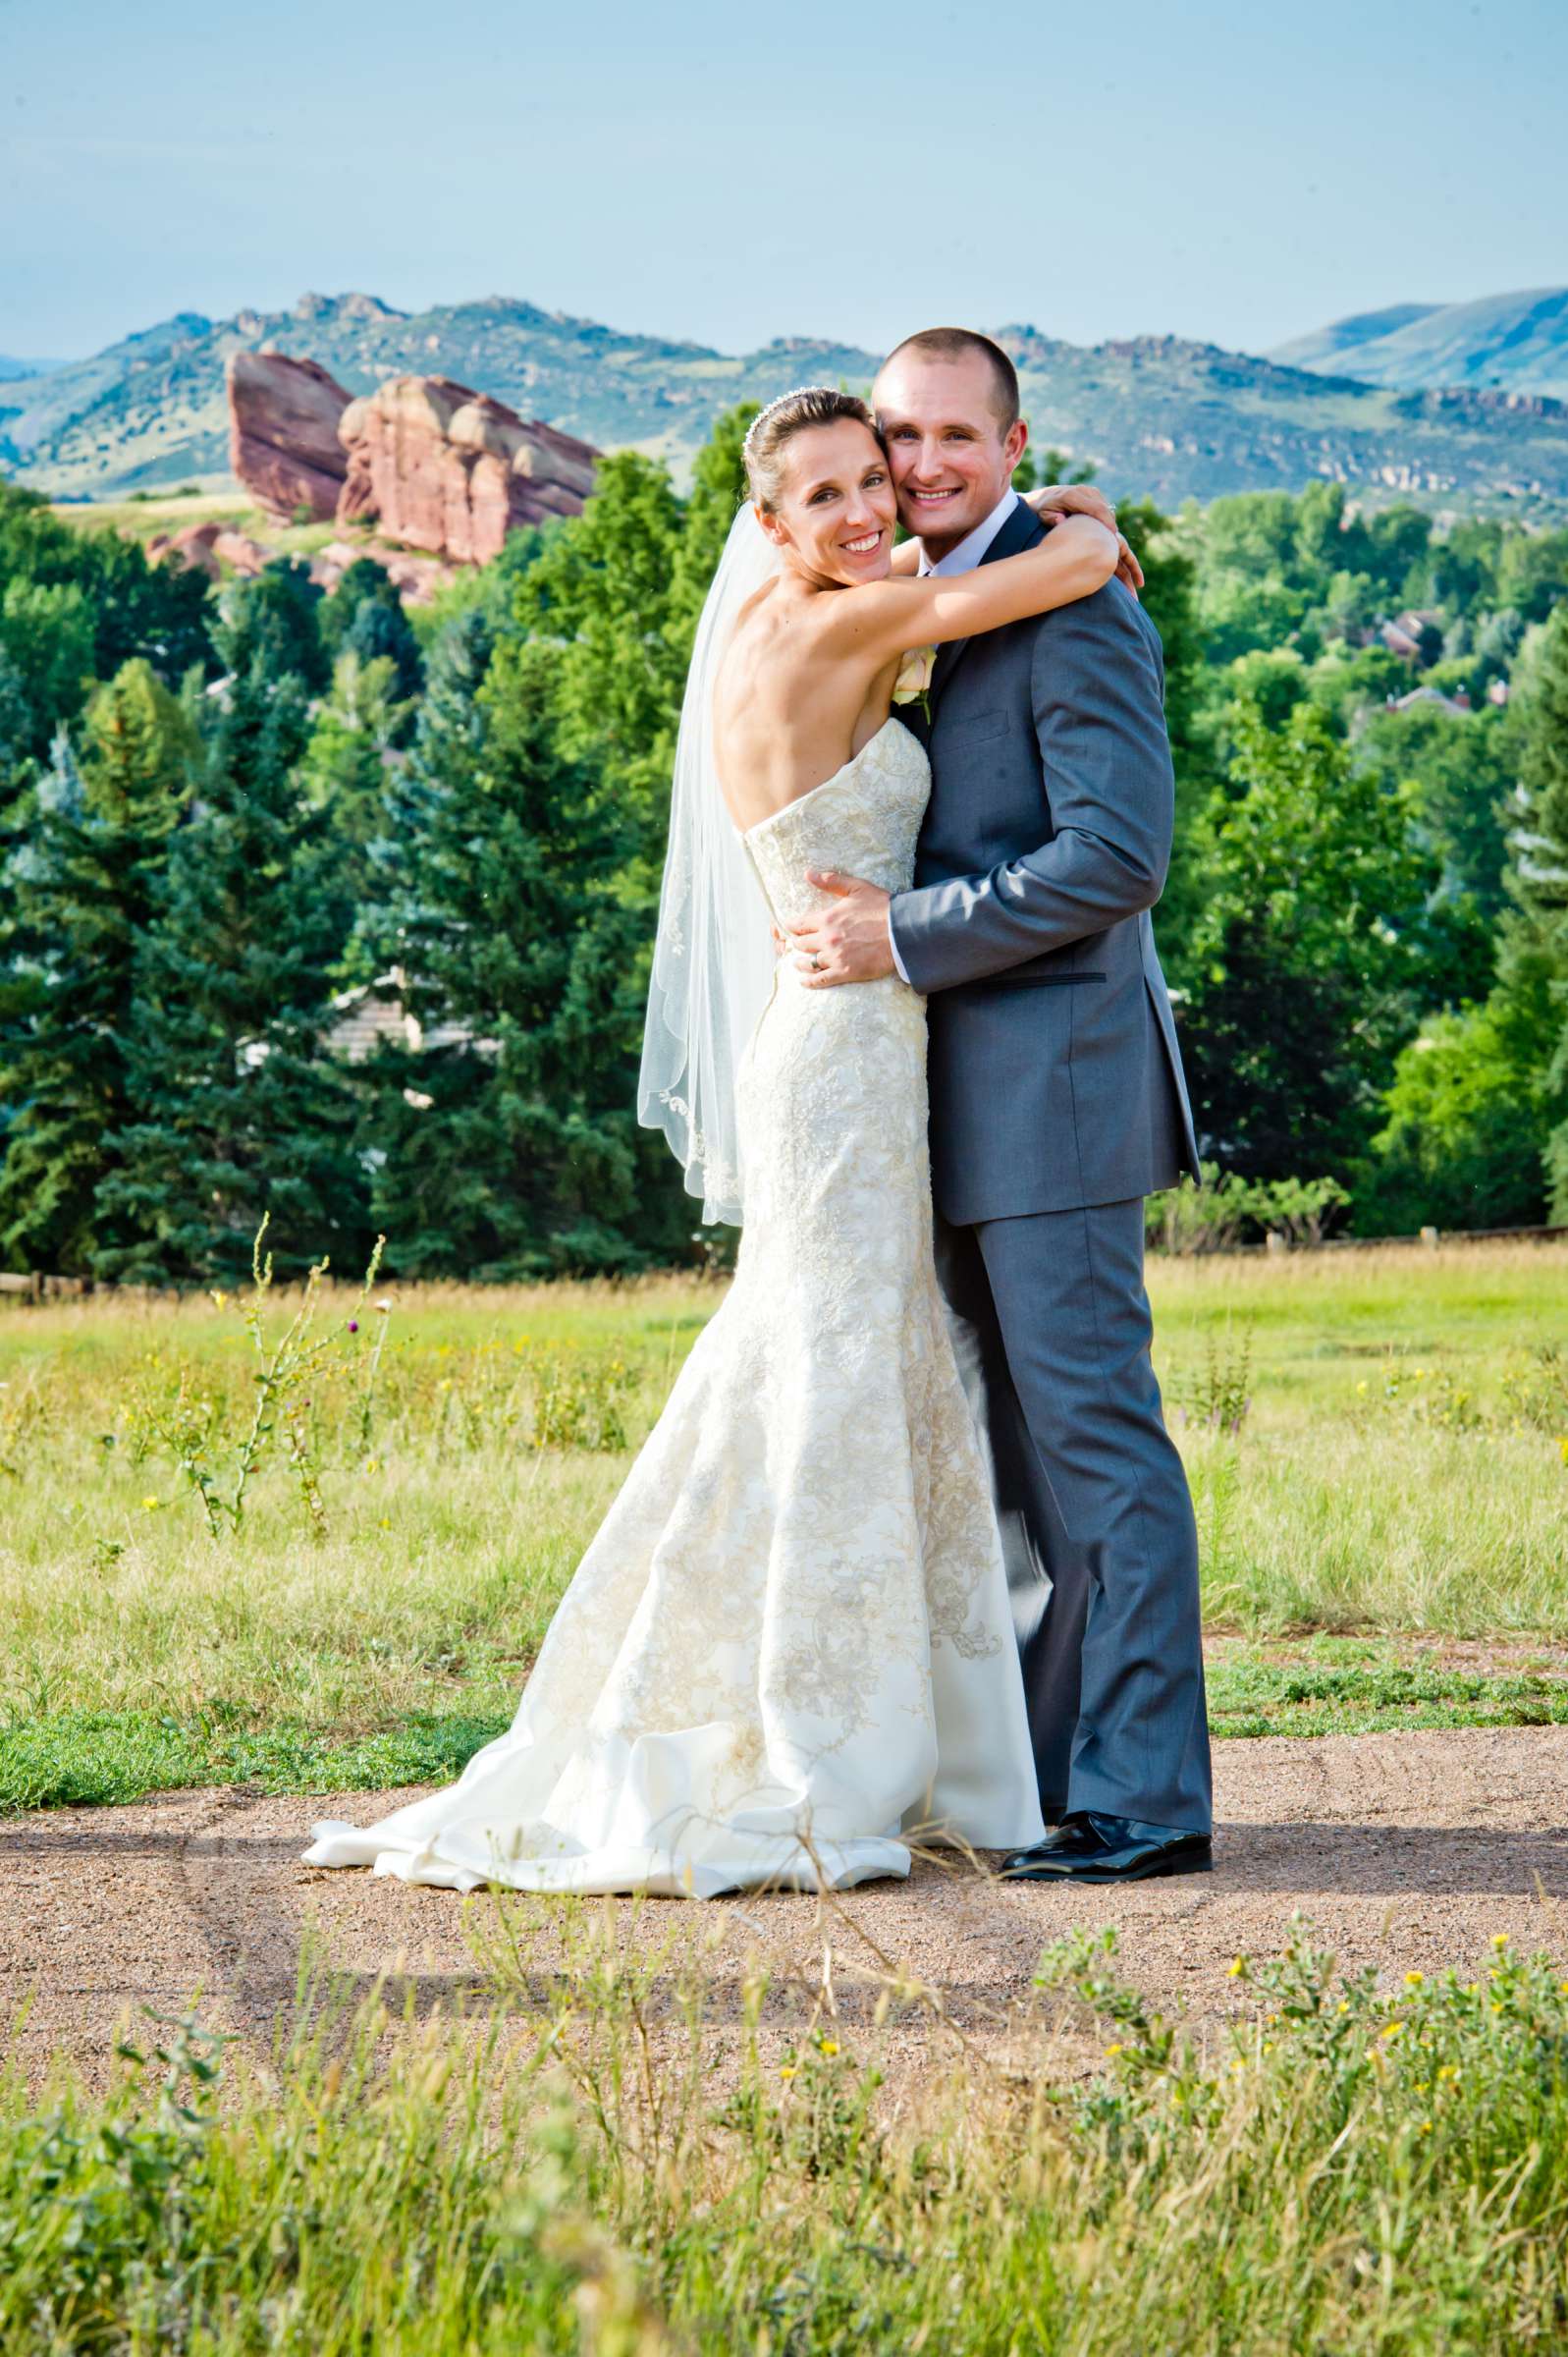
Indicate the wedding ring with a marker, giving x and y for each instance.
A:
(816, 962)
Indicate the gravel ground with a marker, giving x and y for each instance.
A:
(1404, 1851)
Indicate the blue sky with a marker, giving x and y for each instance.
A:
(780, 167)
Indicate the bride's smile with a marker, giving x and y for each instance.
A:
(835, 511)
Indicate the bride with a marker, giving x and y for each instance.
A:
(788, 1649)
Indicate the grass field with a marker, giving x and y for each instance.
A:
(1377, 1444)
(1353, 2171)
(314, 1547)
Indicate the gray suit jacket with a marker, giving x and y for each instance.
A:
(1055, 1077)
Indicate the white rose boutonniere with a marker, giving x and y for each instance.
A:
(913, 683)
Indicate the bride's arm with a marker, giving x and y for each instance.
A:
(883, 619)
(1049, 502)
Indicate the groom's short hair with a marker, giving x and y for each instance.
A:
(962, 342)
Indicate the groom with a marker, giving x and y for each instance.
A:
(1058, 1102)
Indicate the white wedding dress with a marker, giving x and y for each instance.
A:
(788, 1649)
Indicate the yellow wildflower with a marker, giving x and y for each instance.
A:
(153, 1504)
(828, 2046)
(1236, 1969)
(787, 2070)
(1414, 1980)
(1499, 1940)
(1118, 2049)
(1390, 2029)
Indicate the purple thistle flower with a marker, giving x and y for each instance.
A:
(353, 1325)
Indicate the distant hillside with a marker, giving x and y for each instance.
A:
(1156, 414)
(1505, 342)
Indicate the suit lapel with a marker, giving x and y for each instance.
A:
(1021, 531)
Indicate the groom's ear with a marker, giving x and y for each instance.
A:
(1015, 442)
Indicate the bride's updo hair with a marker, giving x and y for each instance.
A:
(772, 431)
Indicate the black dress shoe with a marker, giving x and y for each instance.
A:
(1090, 1848)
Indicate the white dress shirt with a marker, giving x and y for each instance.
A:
(973, 546)
(963, 559)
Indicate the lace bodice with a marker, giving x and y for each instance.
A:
(863, 821)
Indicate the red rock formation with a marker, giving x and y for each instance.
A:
(187, 549)
(452, 470)
(210, 546)
(415, 578)
(245, 555)
(283, 432)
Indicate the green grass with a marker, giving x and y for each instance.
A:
(97, 1758)
(1349, 2170)
(1398, 1474)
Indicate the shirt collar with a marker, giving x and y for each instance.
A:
(972, 548)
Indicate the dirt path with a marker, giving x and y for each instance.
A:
(1406, 1850)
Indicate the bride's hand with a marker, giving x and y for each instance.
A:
(1051, 501)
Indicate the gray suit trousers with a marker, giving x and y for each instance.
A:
(1053, 1330)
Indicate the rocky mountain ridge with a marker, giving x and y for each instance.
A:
(1502, 343)
(1157, 415)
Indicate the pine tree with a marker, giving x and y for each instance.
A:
(600, 598)
(236, 1107)
(83, 893)
(274, 618)
(365, 615)
(510, 1138)
(344, 774)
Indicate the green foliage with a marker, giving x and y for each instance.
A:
(1461, 1143)
(46, 635)
(599, 599)
(1457, 767)
(83, 889)
(1304, 955)
(1228, 1210)
(1360, 2163)
(1535, 948)
(273, 619)
(1533, 572)
(345, 773)
(107, 598)
(509, 1141)
(366, 617)
(233, 1108)
(461, 810)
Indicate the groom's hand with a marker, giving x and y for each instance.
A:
(848, 942)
